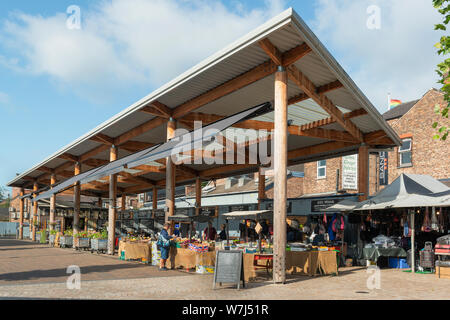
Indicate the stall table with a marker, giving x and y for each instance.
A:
(188, 259)
(136, 250)
(374, 253)
(447, 269)
(309, 263)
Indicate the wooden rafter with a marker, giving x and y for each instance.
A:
(322, 89)
(308, 87)
(68, 156)
(162, 108)
(263, 70)
(287, 58)
(134, 146)
(151, 110)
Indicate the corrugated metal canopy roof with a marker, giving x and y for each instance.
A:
(286, 31)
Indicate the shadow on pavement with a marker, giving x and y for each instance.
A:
(16, 243)
(61, 272)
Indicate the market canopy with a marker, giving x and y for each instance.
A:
(184, 143)
(328, 114)
(409, 191)
(253, 215)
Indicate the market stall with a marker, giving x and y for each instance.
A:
(135, 249)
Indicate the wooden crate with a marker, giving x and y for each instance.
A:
(445, 272)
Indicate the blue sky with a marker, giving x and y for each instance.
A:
(56, 84)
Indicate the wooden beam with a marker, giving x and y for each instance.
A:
(68, 156)
(95, 162)
(103, 138)
(93, 152)
(295, 54)
(151, 110)
(322, 133)
(308, 87)
(151, 124)
(134, 146)
(322, 89)
(271, 51)
(198, 195)
(249, 77)
(319, 148)
(170, 175)
(162, 108)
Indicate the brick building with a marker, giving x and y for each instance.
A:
(419, 154)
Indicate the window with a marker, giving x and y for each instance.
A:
(321, 169)
(404, 153)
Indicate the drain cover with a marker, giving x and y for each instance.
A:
(361, 292)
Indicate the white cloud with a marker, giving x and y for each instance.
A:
(125, 43)
(398, 58)
(4, 98)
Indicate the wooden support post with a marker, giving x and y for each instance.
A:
(170, 174)
(22, 205)
(198, 196)
(100, 202)
(363, 172)
(76, 202)
(52, 203)
(261, 187)
(280, 184)
(112, 204)
(34, 220)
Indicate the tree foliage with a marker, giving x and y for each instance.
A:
(443, 68)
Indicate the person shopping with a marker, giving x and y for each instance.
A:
(164, 245)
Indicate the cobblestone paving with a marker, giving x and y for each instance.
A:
(137, 281)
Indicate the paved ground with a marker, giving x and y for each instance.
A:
(30, 270)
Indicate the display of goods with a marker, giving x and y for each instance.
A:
(250, 250)
(198, 248)
(204, 269)
(442, 248)
(51, 239)
(445, 240)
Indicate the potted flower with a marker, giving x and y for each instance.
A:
(67, 239)
(99, 241)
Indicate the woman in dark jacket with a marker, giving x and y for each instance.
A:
(164, 249)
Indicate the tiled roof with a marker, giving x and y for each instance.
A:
(399, 110)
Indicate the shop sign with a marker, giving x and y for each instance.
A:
(320, 205)
(350, 172)
(238, 208)
(269, 206)
(383, 169)
(183, 211)
(159, 213)
(209, 212)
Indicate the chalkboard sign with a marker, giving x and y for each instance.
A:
(209, 212)
(269, 206)
(238, 208)
(229, 268)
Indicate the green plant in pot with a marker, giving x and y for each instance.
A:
(82, 234)
(68, 233)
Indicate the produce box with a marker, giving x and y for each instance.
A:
(397, 263)
(204, 269)
(444, 272)
(198, 248)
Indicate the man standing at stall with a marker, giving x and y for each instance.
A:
(210, 233)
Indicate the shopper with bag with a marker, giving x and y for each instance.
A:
(164, 246)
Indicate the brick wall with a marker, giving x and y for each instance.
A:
(429, 156)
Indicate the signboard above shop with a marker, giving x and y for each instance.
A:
(383, 169)
(350, 172)
(320, 205)
(209, 212)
